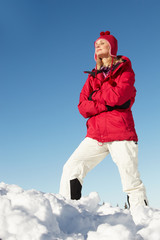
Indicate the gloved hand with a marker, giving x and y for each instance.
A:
(90, 96)
(123, 106)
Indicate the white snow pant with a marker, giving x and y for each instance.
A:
(91, 152)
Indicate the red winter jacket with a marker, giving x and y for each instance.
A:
(109, 119)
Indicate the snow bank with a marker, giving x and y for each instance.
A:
(33, 215)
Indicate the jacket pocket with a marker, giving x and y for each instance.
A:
(115, 122)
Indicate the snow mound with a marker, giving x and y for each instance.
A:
(34, 215)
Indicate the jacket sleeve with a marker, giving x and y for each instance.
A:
(118, 93)
(86, 107)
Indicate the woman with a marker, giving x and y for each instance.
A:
(106, 100)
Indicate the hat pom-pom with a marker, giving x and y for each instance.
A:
(105, 33)
(102, 33)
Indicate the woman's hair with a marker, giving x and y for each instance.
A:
(115, 60)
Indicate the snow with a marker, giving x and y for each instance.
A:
(34, 215)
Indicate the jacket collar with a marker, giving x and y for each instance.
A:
(115, 68)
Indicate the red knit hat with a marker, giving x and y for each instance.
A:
(112, 42)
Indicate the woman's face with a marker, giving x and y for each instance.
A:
(102, 48)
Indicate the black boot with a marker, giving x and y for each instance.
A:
(76, 188)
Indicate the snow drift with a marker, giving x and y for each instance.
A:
(34, 215)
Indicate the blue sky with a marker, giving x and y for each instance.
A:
(44, 48)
